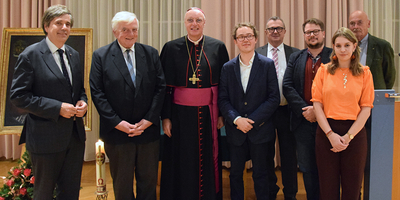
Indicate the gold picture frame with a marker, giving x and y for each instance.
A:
(15, 40)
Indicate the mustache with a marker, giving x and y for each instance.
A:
(356, 29)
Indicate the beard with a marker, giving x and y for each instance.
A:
(315, 46)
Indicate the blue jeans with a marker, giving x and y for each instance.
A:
(305, 141)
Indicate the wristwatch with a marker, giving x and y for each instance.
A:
(350, 135)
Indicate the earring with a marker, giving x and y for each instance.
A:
(334, 57)
(353, 57)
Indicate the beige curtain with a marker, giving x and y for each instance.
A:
(20, 14)
(223, 15)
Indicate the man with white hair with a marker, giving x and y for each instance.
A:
(127, 86)
(376, 53)
(191, 165)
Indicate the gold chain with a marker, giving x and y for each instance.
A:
(190, 56)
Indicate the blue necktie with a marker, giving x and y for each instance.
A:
(63, 67)
(130, 66)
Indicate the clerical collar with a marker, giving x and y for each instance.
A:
(195, 42)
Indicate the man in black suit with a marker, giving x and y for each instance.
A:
(276, 50)
(296, 86)
(248, 97)
(128, 86)
(48, 84)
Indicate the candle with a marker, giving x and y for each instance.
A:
(100, 168)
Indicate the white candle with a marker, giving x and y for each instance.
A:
(100, 168)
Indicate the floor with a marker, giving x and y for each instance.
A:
(89, 182)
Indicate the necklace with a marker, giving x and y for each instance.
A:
(194, 78)
(344, 78)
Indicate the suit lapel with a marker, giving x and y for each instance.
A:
(370, 50)
(253, 72)
(120, 64)
(236, 69)
(288, 51)
(141, 69)
(302, 70)
(51, 64)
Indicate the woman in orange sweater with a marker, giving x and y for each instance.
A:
(342, 95)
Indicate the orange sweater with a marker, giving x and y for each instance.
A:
(340, 100)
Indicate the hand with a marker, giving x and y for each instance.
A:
(68, 110)
(346, 139)
(81, 108)
(308, 113)
(220, 122)
(244, 124)
(337, 142)
(140, 127)
(167, 126)
(125, 127)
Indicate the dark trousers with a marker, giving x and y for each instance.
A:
(239, 156)
(63, 169)
(129, 160)
(287, 150)
(345, 168)
(305, 144)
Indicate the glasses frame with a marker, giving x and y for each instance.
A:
(314, 32)
(278, 29)
(242, 38)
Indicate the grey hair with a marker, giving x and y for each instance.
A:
(123, 16)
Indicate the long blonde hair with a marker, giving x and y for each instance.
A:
(355, 66)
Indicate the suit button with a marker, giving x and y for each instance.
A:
(245, 115)
(245, 103)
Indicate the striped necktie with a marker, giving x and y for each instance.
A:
(275, 59)
(130, 66)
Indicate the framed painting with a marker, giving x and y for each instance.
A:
(14, 41)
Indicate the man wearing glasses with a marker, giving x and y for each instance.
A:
(297, 82)
(280, 53)
(248, 97)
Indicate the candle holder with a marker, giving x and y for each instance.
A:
(101, 191)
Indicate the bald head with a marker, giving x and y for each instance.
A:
(194, 23)
(359, 24)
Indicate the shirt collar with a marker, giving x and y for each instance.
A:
(364, 41)
(53, 47)
(123, 49)
(250, 62)
(280, 47)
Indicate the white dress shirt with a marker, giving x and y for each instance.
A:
(282, 68)
(132, 54)
(56, 56)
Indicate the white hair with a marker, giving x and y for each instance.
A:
(123, 16)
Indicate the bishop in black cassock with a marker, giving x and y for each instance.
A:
(191, 165)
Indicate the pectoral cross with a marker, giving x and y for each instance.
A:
(194, 79)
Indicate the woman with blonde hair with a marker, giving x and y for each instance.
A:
(342, 96)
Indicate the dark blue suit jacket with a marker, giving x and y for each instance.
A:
(117, 99)
(293, 83)
(39, 87)
(258, 103)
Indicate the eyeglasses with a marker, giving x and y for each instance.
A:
(278, 29)
(315, 32)
(241, 38)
